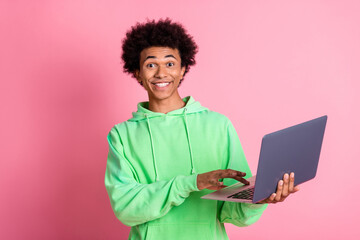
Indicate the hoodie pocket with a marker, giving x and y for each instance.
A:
(179, 231)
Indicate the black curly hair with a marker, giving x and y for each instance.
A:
(162, 33)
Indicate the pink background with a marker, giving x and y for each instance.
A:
(264, 64)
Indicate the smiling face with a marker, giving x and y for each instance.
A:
(160, 72)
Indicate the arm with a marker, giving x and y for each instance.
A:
(134, 203)
(239, 214)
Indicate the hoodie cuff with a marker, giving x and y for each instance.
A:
(195, 182)
(187, 183)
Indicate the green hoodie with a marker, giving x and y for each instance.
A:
(152, 166)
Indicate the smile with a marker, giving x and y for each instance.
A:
(162, 84)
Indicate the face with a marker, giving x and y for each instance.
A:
(160, 72)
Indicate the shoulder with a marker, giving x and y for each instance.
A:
(117, 128)
(216, 117)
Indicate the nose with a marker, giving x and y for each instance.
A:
(161, 72)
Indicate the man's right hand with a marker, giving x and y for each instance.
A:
(210, 180)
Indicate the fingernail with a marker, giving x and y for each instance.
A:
(292, 175)
(286, 176)
(281, 182)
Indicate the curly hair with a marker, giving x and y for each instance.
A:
(163, 33)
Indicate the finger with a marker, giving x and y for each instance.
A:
(264, 201)
(272, 197)
(296, 188)
(214, 182)
(292, 181)
(242, 180)
(285, 191)
(241, 174)
(229, 173)
(279, 190)
(225, 173)
(219, 185)
(239, 177)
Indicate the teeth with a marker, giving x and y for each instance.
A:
(162, 84)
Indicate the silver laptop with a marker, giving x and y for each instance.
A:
(293, 149)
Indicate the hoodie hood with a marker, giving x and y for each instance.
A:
(143, 113)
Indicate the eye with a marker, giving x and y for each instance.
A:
(170, 64)
(150, 65)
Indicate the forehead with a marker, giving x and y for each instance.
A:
(159, 52)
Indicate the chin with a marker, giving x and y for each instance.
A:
(162, 96)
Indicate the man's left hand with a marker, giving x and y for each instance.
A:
(284, 189)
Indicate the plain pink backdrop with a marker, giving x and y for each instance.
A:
(264, 64)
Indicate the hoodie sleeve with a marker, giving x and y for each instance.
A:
(134, 203)
(239, 214)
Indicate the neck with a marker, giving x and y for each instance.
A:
(166, 105)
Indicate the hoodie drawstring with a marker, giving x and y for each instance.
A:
(153, 150)
(188, 138)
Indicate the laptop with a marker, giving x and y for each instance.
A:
(293, 149)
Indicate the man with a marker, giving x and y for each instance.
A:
(173, 150)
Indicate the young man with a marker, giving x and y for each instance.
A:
(173, 150)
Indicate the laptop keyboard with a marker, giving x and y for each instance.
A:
(245, 194)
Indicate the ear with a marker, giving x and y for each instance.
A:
(137, 75)
(182, 71)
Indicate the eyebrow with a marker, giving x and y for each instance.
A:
(167, 56)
